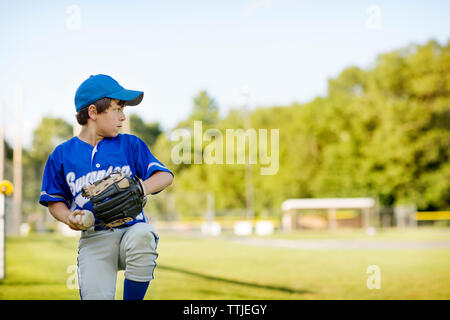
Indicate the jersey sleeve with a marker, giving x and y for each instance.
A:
(54, 187)
(146, 164)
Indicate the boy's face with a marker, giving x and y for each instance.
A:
(110, 121)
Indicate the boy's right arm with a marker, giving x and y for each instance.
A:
(61, 213)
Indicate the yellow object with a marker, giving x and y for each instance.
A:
(432, 215)
(6, 187)
(343, 215)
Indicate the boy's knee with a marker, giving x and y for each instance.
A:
(140, 253)
(142, 237)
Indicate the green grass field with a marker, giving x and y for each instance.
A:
(195, 267)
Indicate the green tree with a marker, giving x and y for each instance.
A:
(382, 131)
(204, 108)
(48, 134)
(148, 132)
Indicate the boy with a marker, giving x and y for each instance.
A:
(98, 150)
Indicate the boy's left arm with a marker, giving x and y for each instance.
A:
(155, 175)
(157, 182)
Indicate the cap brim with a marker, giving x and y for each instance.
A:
(131, 97)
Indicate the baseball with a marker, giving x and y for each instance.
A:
(87, 218)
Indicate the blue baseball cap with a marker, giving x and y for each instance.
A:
(102, 86)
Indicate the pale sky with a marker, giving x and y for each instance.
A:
(284, 51)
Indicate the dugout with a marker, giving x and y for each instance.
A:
(327, 213)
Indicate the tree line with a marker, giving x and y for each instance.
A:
(382, 132)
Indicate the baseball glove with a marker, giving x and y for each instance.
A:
(116, 199)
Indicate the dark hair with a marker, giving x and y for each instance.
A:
(101, 105)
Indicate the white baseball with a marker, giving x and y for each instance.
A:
(87, 219)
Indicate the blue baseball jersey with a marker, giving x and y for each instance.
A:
(75, 163)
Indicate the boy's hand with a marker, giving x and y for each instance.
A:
(74, 220)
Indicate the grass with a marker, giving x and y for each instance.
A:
(38, 267)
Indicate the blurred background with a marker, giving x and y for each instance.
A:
(358, 90)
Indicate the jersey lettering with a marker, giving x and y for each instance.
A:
(75, 185)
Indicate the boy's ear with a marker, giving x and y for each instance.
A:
(92, 111)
